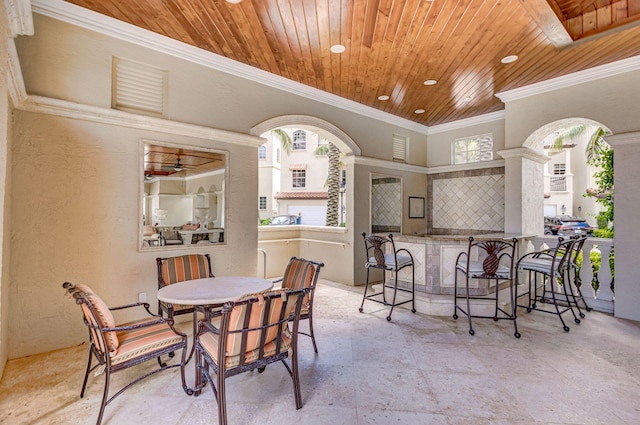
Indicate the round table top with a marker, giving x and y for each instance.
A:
(212, 290)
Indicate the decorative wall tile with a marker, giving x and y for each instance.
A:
(467, 201)
(386, 203)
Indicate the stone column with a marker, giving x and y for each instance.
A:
(524, 191)
(626, 157)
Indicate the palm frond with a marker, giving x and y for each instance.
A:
(596, 145)
(285, 139)
(566, 135)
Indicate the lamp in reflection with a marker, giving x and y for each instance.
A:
(160, 215)
(202, 216)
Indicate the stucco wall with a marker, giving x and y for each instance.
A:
(75, 200)
(5, 181)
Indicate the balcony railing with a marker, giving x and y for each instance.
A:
(597, 288)
(558, 184)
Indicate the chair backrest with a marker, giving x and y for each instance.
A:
(376, 244)
(562, 254)
(97, 316)
(301, 273)
(259, 322)
(493, 253)
(184, 267)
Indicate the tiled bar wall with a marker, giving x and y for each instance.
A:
(466, 202)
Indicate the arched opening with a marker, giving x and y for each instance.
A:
(567, 173)
(302, 171)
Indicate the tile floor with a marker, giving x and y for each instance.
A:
(416, 369)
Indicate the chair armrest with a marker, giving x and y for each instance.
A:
(202, 324)
(138, 304)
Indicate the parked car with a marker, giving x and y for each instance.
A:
(284, 219)
(564, 225)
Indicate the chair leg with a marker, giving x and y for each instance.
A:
(395, 293)
(296, 379)
(471, 331)
(311, 334)
(221, 397)
(107, 377)
(413, 289)
(86, 374)
(513, 294)
(552, 282)
(366, 289)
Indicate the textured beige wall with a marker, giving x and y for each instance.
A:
(75, 201)
(5, 181)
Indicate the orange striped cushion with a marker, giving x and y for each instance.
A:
(298, 275)
(236, 322)
(104, 316)
(185, 267)
(136, 342)
(209, 342)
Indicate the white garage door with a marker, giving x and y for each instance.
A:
(314, 215)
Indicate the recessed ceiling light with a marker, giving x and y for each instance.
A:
(420, 111)
(383, 97)
(430, 82)
(234, 1)
(338, 48)
(509, 59)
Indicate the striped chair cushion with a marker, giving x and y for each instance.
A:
(236, 322)
(104, 316)
(137, 342)
(185, 267)
(209, 342)
(299, 274)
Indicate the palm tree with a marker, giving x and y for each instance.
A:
(285, 139)
(333, 181)
(595, 147)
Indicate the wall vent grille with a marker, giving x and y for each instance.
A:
(139, 88)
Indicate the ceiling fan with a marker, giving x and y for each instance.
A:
(177, 166)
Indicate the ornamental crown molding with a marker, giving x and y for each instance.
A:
(569, 80)
(62, 108)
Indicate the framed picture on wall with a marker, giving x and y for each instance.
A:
(416, 207)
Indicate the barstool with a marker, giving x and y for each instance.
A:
(573, 275)
(552, 266)
(395, 261)
(494, 262)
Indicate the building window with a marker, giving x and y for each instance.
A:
(299, 140)
(559, 169)
(262, 203)
(299, 178)
(262, 152)
(473, 149)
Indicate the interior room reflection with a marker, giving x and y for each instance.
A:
(184, 197)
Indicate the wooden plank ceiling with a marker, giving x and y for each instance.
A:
(393, 46)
